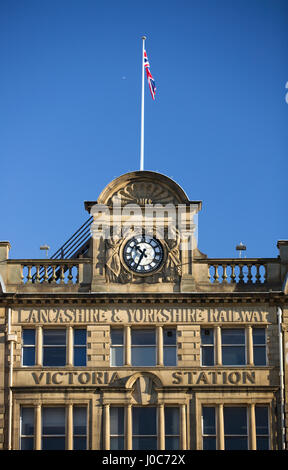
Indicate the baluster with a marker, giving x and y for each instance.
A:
(233, 275)
(70, 275)
(37, 276)
(77, 273)
(216, 275)
(29, 277)
(241, 275)
(45, 273)
(53, 277)
(265, 273)
(224, 266)
(258, 275)
(22, 274)
(249, 275)
(62, 274)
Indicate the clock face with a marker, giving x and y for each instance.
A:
(143, 254)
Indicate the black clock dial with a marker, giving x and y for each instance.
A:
(143, 254)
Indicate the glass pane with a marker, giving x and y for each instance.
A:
(79, 443)
(259, 336)
(236, 443)
(139, 337)
(145, 443)
(233, 355)
(261, 416)
(170, 356)
(171, 420)
(117, 356)
(233, 336)
(262, 443)
(80, 356)
(53, 421)
(207, 356)
(117, 443)
(207, 336)
(169, 336)
(209, 443)
(28, 337)
(80, 337)
(54, 356)
(79, 420)
(144, 421)
(117, 336)
(143, 356)
(259, 356)
(27, 443)
(54, 337)
(116, 420)
(29, 356)
(235, 420)
(208, 414)
(53, 443)
(27, 415)
(172, 443)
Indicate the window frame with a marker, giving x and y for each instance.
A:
(28, 346)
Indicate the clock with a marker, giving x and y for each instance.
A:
(143, 254)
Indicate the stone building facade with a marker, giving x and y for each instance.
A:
(129, 337)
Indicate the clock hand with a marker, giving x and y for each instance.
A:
(141, 256)
(142, 252)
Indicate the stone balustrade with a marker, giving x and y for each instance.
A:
(239, 271)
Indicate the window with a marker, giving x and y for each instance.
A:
(27, 429)
(116, 428)
(259, 346)
(143, 347)
(144, 428)
(207, 346)
(28, 347)
(79, 428)
(79, 347)
(235, 428)
(170, 347)
(172, 430)
(262, 427)
(117, 348)
(209, 428)
(233, 346)
(54, 347)
(53, 428)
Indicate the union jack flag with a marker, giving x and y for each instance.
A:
(150, 79)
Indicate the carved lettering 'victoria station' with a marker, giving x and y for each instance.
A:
(130, 337)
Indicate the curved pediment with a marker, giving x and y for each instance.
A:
(143, 187)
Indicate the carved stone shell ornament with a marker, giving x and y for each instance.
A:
(143, 193)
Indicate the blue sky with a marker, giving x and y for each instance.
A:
(70, 95)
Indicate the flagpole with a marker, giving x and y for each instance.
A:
(142, 108)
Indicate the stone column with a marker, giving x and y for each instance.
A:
(106, 427)
(70, 346)
(218, 346)
(38, 426)
(127, 346)
(183, 427)
(160, 354)
(161, 427)
(252, 430)
(70, 427)
(128, 430)
(220, 427)
(249, 336)
(39, 346)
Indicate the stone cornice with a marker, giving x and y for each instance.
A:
(10, 299)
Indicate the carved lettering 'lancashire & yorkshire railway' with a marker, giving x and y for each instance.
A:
(140, 315)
